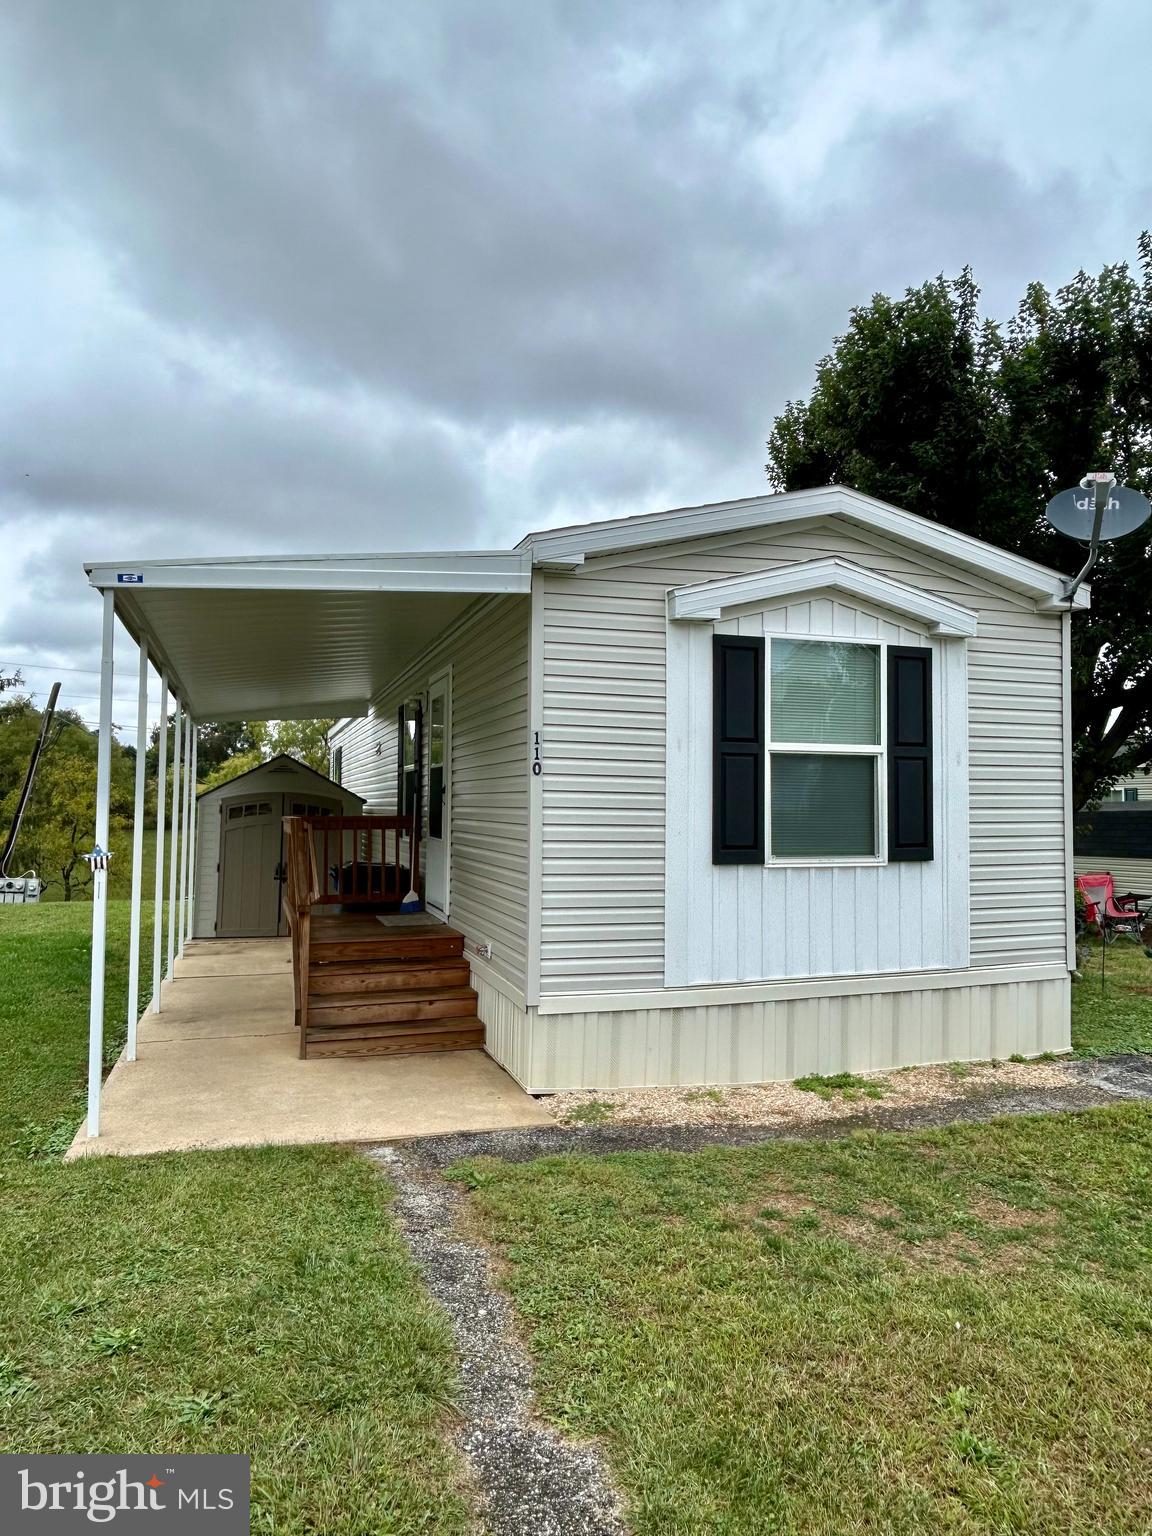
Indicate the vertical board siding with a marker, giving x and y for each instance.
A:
(759, 922)
(605, 714)
(507, 1030)
(779, 1041)
(488, 656)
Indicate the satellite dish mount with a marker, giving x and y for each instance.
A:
(1100, 482)
(1098, 512)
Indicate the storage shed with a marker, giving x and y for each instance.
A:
(239, 853)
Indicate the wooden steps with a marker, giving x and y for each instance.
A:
(376, 989)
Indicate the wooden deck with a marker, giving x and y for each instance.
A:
(385, 986)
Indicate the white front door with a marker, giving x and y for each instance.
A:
(436, 846)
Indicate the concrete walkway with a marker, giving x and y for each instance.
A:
(218, 1067)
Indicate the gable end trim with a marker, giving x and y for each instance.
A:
(706, 602)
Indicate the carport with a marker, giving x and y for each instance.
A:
(254, 639)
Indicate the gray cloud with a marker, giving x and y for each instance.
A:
(305, 276)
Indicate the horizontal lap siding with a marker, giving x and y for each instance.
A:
(489, 855)
(362, 769)
(488, 654)
(604, 718)
(1129, 874)
(1019, 891)
(602, 916)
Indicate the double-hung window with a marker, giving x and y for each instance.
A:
(825, 750)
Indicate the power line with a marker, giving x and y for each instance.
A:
(46, 666)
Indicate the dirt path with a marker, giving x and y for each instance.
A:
(529, 1478)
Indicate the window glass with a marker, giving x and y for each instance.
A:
(409, 768)
(825, 692)
(823, 806)
(436, 765)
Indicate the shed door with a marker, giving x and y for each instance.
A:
(249, 901)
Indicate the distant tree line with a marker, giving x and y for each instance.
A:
(59, 826)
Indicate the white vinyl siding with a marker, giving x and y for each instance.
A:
(828, 917)
(604, 721)
(488, 656)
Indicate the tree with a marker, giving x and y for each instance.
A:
(925, 404)
(216, 742)
(59, 826)
(305, 740)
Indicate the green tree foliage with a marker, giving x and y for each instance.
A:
(305, 740)
(216, 742)
(925, 404)
(59, 825)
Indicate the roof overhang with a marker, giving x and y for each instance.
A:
(568, 548)
(297, 638)
(707, 601)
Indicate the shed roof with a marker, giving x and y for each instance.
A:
(276, 763)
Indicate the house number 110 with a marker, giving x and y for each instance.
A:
(537, 765)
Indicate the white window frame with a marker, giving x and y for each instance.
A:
(830, 749)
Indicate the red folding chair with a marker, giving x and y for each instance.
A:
(1116, 917)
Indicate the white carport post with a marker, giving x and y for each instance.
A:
(161, 787)
(100, 868)
(189, 915)
(137, 856)
(185, 817)
(175, 838)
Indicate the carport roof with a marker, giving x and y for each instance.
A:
(299, 637)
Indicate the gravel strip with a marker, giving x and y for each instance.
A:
(532, 1481)
(1084, 1085)
(784, 1103)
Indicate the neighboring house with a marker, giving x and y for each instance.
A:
(1138, 787)
(723, 794)
(1116, 837)
(239, 845)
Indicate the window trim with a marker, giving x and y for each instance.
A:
(879, 751)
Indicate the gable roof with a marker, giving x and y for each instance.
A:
(568, 548)
(281, 758)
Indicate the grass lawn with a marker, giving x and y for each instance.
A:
(899, 1334)
(254, 1301)
(1119, 1017)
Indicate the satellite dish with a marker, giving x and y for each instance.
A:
(1098, 509)
(1073, 513)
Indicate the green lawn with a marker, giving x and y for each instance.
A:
(890, 1334)
(1117, 1017)
(228, 1301)
(897, 1334)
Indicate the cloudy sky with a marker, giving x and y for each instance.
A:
(303, 275)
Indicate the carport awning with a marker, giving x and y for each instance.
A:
(264, 639)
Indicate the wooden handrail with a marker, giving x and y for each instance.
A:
(347, 861)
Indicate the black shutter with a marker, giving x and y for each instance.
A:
(909, 753)
(737, 750)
